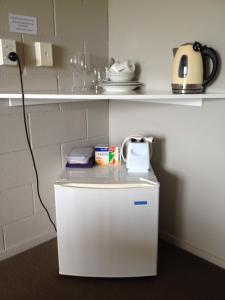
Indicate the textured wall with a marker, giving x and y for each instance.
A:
(54, 129)
(188, 154)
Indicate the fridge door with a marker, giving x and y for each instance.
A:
(107, 232)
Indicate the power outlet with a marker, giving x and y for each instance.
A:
(7, 46)
(43, 54)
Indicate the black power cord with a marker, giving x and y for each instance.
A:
(14, 57)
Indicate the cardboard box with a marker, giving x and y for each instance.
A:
(107, 155)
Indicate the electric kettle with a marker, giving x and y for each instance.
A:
(138, 153)
(191, 72)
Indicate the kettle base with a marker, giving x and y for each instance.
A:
(187, 88)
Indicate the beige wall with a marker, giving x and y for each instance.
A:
(188, 154)
(54, 129)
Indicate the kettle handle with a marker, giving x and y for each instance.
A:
(211, 54)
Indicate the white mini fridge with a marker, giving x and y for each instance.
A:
(107, 222)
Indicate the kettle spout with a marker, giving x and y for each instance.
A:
(174, 51)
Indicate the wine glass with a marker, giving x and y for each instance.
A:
(99, 75)
(80, 62)
(85, 63)
(76, 63)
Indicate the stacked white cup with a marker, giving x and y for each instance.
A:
(121, 72)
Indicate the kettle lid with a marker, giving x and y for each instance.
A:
(187, 44)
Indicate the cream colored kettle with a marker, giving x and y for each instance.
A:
(191, 72)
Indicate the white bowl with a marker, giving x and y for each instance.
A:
(119, 77)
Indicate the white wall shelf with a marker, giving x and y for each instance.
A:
(165, 97)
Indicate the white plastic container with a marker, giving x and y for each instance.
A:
(80, 155)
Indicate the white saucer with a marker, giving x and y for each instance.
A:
(126, 86)
(120, 83)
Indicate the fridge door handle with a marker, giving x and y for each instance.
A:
(105, 186)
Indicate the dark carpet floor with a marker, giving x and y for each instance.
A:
(34, 275)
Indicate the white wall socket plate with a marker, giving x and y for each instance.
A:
(7, 46)
(43, 54)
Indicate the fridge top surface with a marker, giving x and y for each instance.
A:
(108, 175)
